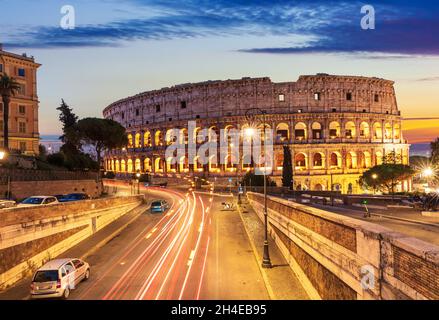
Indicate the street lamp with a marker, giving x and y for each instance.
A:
(266, 261)
(374, 176)
(2, 155)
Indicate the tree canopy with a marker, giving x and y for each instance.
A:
(102, 134)
(385, 177)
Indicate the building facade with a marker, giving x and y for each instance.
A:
(23, 108)
(336, 126)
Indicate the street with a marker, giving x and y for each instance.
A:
(187, 253)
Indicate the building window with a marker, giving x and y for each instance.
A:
(299, 111)
(377, 98)
(334, 110)
(123, 115)
(349, 96)
(282, 97)
(317, 96)
(22, 146)
(183, 104)
(22, 109)
(22, 127)
(137, 112)
(21, 72)
(157, 108)
(21, 89)
(1, 67)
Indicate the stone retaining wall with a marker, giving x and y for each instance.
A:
(31, 236)
(338, 257)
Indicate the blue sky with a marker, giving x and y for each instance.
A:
(119, 48)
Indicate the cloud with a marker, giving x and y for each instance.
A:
(428, 79)
(403, 28)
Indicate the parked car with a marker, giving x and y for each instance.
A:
(38, 201)
(159, 206)
(74, 197)
(59, 196)
(7, 204)
(58, 277)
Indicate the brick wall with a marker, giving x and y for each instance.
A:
(24, 189)
(335, 257)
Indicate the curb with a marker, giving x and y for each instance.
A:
(258, 258)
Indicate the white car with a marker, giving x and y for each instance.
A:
(38, 201)
(58, 277)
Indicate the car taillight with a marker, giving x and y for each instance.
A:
(58, 284)
(32, 286)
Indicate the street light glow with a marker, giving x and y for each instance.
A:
(249, 132)
(374, 176)
(427, 172)
(2, 154)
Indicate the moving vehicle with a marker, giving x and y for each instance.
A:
(38, 201)
(58, 277)
(74, 197)
(159, 206)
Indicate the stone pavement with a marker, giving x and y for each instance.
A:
(281, 281)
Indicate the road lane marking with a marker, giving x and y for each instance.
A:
(191, 258)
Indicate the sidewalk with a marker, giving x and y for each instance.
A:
(82, 250)
(280, 280)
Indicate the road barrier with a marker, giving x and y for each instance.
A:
(337, 257)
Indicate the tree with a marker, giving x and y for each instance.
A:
(287, 168)
(8, 87)
(385, 177)
(256, 180)
(102, 134)
(70, 137)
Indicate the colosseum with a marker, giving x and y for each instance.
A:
(335, 126)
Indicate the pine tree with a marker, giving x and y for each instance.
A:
(70, 135)
(287, 171)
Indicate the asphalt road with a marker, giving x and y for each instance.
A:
(192, 251)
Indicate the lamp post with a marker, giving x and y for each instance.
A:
(266, 261)
(427, 173)
(374, 177)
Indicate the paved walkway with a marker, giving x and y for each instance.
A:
(281, 280)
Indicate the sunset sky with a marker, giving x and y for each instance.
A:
(120, 48)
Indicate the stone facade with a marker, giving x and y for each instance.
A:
(335, 126)
(23, 108)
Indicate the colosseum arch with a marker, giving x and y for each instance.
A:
(147, 165)
(113, 168)
(300, 131)
(334, 130)
(364, 130)
(377, 130)
(300, 161)
(116, 166)
(130, 167)
(319, 187)
(379, 158)
(282, 132)
(317, 130)
(351, 160)
(130, 140)
(366, 159)
(214, 134)
(247, 162)
(335, 160)
(171, 165)
(387, 131)
(350, 129)
(123, 167)
(158, 165)
(213, 164)
(184, 136)
(137, 143)
(279, 161)
(183, 163)
(230, 163)
(318, 160)
(170, 137)
(147, 141)
(138, 165)
(158, 138)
